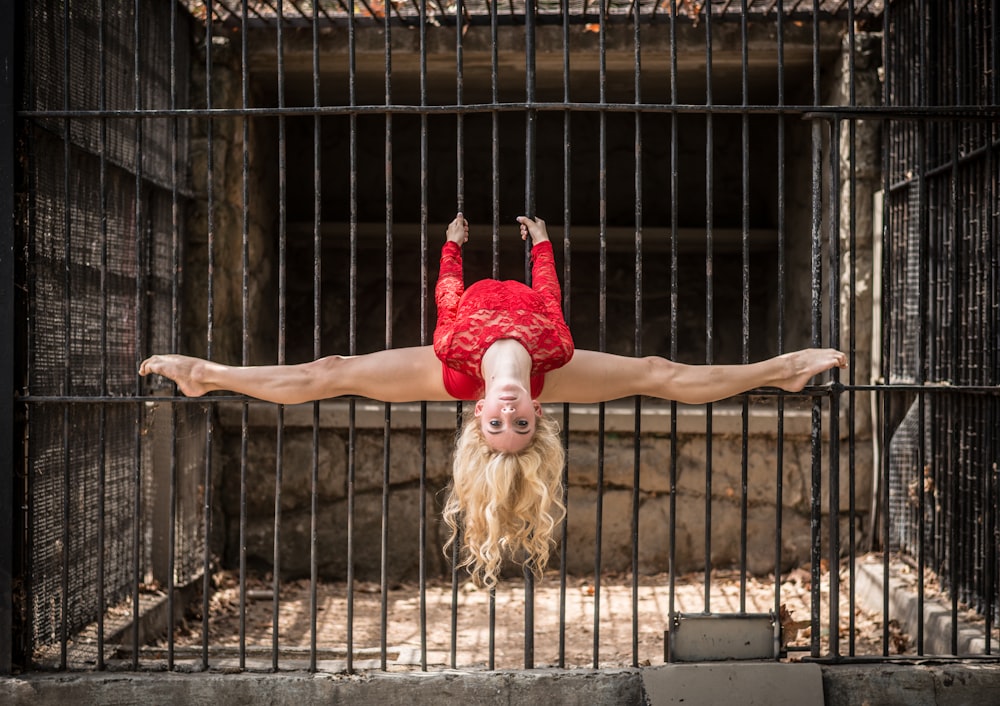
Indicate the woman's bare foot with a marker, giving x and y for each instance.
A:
(187, 372)
(801, 366)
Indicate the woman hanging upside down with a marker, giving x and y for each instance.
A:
(505, 346)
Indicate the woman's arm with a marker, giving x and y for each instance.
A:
(599, 377)
(396, 375)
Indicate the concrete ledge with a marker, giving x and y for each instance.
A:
(956, 684)
(951, 684)
(583, 688)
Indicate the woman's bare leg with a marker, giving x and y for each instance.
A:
(597, 377)
(396, 375)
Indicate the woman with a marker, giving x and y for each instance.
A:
(507, 347)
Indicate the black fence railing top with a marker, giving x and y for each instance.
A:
(292, 12)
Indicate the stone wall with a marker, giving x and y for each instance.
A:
(406, 460)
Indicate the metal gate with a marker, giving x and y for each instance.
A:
(267, 182)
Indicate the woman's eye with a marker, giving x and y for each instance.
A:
(522, 423)
(494, 423)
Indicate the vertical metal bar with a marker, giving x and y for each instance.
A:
(529, 206)
(745, 310)
(603, 320)
(888, 161)
(955, 230)
(317, 341)
(834, 470)
(922, 266)
(67, 323)
(637, 432)
(779, 483)
(424, 314)
(8, 369)
(102, 431)
(815, 493)
(709, 299)
(245, 324)
(279, 466)
(567, 281)
(674, 291)
(495, 151)
(140, 274)
(209, 338)
(993, 287)
(175, 289)
(352, 80)
(387, 420)
(852, 346)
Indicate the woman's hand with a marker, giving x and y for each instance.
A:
(533, 227)
(458, 230)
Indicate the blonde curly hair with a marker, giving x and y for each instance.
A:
(505, 505)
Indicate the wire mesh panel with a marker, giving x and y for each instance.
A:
(942, 177)
(101, 210)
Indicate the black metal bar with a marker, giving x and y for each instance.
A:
(567, 299)
(745, 298)
(387, 423)
(67, 323)
(779, 485)
(816, 280)
(881, 505)
(674, 312)
(209, 341)
(637, 431)
(852, 345)
(140, 293)
(317, 345)
(175, 289)
(8, 325)
(529, 206)
(279, 466)
(352, 325)
(833, 595)
(709, 299)
(424, 318)
(965, 113)
(245, 331)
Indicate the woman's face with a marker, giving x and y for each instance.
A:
(507, 419)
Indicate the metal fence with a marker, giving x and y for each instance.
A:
(266, 182)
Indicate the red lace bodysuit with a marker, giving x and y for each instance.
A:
(471, 320)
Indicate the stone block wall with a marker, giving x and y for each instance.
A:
(404, 472)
